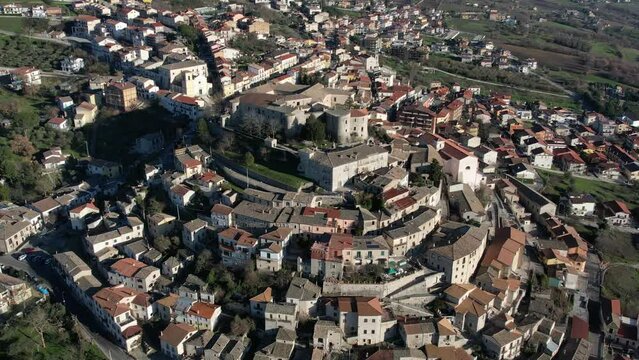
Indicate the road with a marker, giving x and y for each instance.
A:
(55, 73)
(497, 84)
(48, 276)
(558, 86)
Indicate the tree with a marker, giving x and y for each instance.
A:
(314, 130)
(435, 172)
(190, 35)
(225, 141)
(203, 133)
(21, 145)
(163, 244)
(249, 160)
(241, 326)
(203, 260)
(25, 120)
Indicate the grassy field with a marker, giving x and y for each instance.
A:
(470, 26)
(555, 184)
(13, 24)
(618, 246)
(623, 283)
(280, 171)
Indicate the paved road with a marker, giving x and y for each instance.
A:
(50, 277)
(54, 73)
(497, 84)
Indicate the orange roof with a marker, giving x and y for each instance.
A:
(203, 310)
(127, 266)
(264, 296)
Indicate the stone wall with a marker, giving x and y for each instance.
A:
(417, 282)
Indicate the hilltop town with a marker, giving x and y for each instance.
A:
(297, 180)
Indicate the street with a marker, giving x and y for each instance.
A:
(35, 265)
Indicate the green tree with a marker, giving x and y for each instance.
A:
(203, 133)
(435, 172)
(24, 121)
(190, 35)
(249, 160)
(314, 130)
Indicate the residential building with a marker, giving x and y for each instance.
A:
(13, 291)
(134, 274)
(456, 250)
(280, 316)
(304, 294)
(121, 95)
(173, 338)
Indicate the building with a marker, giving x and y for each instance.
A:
(465, 202)
(173, 338)
(134, 274)
(347, 126)
(121, 95)
(582, 205)
(616, 213)
(333, 170)
(161, 224)
(13, 291)
(456, 250)
(304, 294)
(361, 319)
(186, 77)
(417, 334)
(278, 316)
(194, 234)
(28, 76)
(503, 344)
(72, 64)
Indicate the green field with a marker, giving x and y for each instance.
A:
(470, 26)
(276, 170)
(13, 24)
(555, 184)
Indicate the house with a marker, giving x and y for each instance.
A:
(173, 337)
(616, 213)
(270, 258)
(83, 216)
(225, 347)
(282, 348)
(456, 250)
(161, 224)
(201, 315)
(328, 337)
(104, 168)
(361, 319)
(259, 301)
(47, 208)
(53, 159)
(85, 113)
(582, 205)
(504, 254)
(237, 246)
(304, 294)
(473, 306)
(13, 291)
(280, 236)
(134, 274)
(119, 308)
(121, 95)
(503, 344)
(180, 195)
(101, 242)
(58, 123)
(194, 233)
(28, 76)
(464, 201)
(72, 64)
(278, 316)
(417, 334)
(221, 216)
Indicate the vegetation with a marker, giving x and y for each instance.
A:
(622, 282)
(16, 51)
(556, 184)
(618, 246)
(45, 332)
(314, 130)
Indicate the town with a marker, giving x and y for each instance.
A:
(293, 180)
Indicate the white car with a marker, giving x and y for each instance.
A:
(22, 257)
